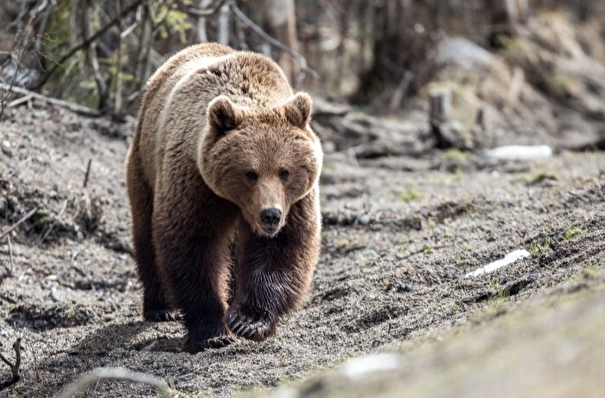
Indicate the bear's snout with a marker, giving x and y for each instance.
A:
(270, 219)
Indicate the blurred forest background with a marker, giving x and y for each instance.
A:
(372, 53)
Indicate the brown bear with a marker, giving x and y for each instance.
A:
(223, 181)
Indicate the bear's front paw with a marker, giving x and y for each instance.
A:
(253, 328)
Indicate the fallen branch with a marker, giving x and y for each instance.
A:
(99, 374)
(19, 101)
(79, 109)
(21, 221)
(14, 366)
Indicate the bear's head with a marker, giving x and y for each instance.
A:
(264, 161)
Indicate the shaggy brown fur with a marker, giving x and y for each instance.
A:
(223, 158)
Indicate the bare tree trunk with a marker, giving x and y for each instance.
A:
(91, 55)
(201, 21)
(117, 99)
(144, 53)
(279, 21)
(223, 24)
(505, 16)
(397, 50)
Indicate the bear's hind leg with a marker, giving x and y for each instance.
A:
(156, 307)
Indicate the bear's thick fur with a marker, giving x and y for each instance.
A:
(223, 180)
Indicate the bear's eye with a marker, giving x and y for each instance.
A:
(251, 176)
(284, 174)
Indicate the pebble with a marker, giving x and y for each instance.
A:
(364, 219)
(54, 295)
(6, 148)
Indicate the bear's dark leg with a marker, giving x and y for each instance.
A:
(273, 274)
(155, 305)
(193, 229)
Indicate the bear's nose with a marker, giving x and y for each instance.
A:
(270, 216)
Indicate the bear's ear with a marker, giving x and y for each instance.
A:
(223, 114)
(298, 110)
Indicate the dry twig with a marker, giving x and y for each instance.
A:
(52, 226)
(14, 366)
(21, 221)
(99, 374)
(87, 173)
(12, 259)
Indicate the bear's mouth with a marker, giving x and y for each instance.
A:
(271, 229)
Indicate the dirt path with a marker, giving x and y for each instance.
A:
(400, 235)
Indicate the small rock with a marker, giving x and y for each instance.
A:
(6, 149)
(364, 219)
(54, 295)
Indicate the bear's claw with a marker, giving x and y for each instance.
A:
(214, 342)
(219, 342)
(245, 327)
(161, 316)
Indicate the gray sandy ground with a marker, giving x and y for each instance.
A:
(553, 349)
(400, 234)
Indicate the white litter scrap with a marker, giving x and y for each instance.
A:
(358, 367)
(519, 152)
(507, 260)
